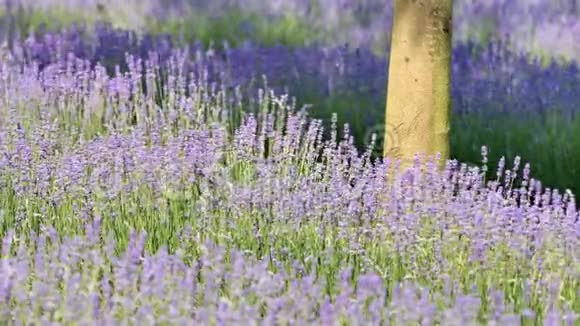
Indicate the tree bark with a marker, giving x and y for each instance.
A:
(417, 116)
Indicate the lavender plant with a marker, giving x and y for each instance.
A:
(509, 103)
(134, 198)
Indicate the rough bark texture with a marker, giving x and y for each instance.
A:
(419, 89)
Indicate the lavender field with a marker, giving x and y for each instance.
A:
(147, 177)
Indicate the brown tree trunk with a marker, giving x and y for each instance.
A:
(419, 89)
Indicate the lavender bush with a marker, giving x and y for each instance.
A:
(82, 281)
(500, 98)
(133, 197)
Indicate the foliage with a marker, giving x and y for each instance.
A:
(269, 223)
(142, 183)
(492, 88)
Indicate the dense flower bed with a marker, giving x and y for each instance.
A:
(156, 195)
(500, 98)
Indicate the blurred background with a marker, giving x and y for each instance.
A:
(516, 79)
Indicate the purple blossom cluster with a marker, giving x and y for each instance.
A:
(489, 84)
(79, 280)
(488, 79)
(297, 227)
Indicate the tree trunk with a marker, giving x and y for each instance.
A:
(419, 88)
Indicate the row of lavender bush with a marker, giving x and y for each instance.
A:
(265, 221)
(514, 105)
